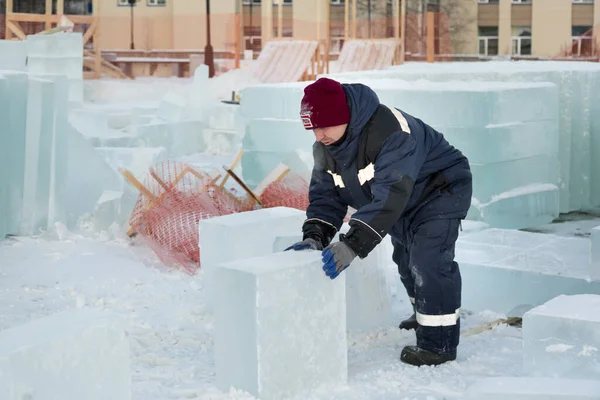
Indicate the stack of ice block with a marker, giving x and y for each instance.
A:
(13, 113)
(58, 54)
(579, 119)
(508, 130)
(274, 132)
(514, 179)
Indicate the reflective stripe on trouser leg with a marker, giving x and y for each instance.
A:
(401, 258)
(437, 285)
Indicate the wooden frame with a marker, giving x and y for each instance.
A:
(13, 29)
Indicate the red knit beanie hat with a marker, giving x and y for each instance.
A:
(324, 104)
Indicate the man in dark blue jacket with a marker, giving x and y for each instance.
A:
(404, 179)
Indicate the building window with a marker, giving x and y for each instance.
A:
(123, 3)
(522, 1)
(154, 3)
(338, 1)
(583, 1)
(521, 40)
(488, 40)
(582, 40)
(487, 1)
(248, 2)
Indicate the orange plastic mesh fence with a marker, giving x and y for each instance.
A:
(166, 217)
(291, 191)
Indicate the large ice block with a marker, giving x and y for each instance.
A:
(560, 338)
(270, 141)
(64, 44)
(503, 142)
(528, 388)
(281, 100)
(135, 160)
(523, 207)
(368, 304)
(13, 55)
(58, 54)
(38, 155)
(595, 254)
(5, 212)
(492, 179)
(241, 235)
(172, 107)
(275, 134)
(75, 354)
(86, 186)
(279, 325)
(477, 104)
(14, 143)
(503, 269)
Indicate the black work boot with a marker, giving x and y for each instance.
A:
(414, 355)
(409, 323)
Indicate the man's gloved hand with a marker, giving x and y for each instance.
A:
(336, 258)
(306, 244)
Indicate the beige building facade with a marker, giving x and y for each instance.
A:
(537, 27)
(487, 27)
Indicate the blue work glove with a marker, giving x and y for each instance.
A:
(336, 258)
(306, 244)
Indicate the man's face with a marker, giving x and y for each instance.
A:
(330, 135)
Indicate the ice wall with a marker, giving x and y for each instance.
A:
(509, 131)
(579, 125)
(504, 269)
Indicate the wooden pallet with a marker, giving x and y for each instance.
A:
(369, 54)
(287, 61)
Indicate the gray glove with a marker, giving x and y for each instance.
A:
(336, 258)
(306, 244)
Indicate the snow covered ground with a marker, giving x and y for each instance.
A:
(171, 331)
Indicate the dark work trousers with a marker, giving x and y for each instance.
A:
(433, 283)
(424, 249)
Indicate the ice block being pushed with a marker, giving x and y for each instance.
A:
(560, 338)
(280, 325)
(76, 354)
(528, 388)
(241, 235)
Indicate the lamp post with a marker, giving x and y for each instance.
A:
(369, 13)
(131, 5)
(209, 58)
